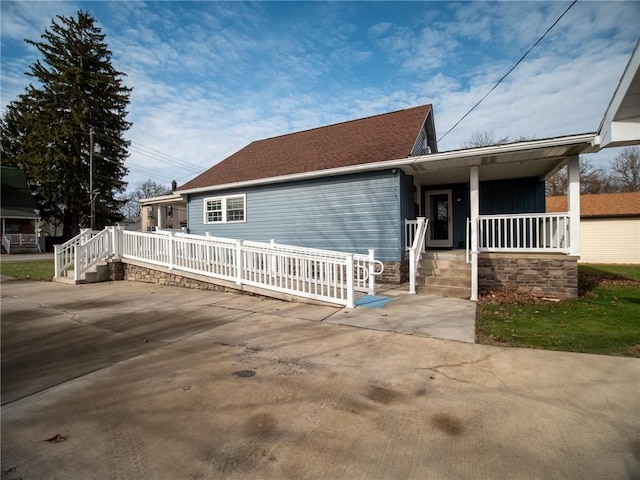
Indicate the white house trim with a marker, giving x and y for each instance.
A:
(620, 125)
(557, 147)
(474, 198)
(573, 204)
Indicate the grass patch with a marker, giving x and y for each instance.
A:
(604, 319)
(40, 270)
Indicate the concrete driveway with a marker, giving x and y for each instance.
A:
(138, 381)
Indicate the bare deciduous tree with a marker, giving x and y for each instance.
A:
(146, 189)
(626, 169)
(592, 180)
(483, 139)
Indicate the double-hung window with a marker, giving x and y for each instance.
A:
(228, 209)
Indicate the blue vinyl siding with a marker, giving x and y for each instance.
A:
(407, 201)
(518, 195)
(350, 213)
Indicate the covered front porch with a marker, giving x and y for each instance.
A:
(490, 202)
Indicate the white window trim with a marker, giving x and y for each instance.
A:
(223, 200)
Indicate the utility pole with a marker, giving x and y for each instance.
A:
(91, 194)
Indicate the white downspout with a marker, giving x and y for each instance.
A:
(573, 204)
(474, 196)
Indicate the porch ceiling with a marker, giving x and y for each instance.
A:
(524, 159)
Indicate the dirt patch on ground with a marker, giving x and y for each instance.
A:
(508, 297)
(587, 281)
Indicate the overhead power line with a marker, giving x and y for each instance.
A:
(510, 70)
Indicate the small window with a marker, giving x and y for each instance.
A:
(169, 211)
(213, 211)
(149, 212)
(225, 209)
(235, 209)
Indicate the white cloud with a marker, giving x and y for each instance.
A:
(210, 77)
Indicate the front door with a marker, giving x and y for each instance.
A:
(440, 232)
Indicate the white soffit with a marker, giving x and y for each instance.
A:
(620, 125)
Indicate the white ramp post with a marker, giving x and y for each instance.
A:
(350, 280)
(372, 269)
(474, 187)
(239, 262)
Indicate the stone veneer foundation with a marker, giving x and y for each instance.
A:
(542, 275)
(133, 272)
(394, 273)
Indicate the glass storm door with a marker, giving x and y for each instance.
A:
(440, 233)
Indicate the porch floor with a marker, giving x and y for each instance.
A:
(424, 315)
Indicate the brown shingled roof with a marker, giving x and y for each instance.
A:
(600, 205)
(382, 137)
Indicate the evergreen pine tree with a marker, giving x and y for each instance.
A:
(46, 131)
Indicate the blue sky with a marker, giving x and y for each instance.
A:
(210, 77)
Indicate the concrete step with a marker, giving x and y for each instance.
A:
(457, 272)
(67, 280)
(444, 273)
(443, 263)
(445, 255)
(454, 292)
(97, 273)
(443, 281)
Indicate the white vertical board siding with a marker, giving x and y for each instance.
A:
(610, 240)
(349, 213)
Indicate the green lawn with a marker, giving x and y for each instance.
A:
(605, 319)
(41, 270)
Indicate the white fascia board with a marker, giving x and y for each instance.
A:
(605, 130)
(174, 197)
(584, 139)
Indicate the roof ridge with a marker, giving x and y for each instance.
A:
(343, 122)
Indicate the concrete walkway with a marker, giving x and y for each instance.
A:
(128, 380)
(424, 315)
(25, 257)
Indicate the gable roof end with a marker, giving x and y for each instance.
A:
(368, 140)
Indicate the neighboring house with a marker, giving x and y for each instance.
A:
(609, 226)
(132, 223)
(167, 212)
(20, 220)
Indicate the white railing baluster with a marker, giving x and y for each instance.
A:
(544, 232)
(416, 251)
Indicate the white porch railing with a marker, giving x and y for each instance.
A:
(22, 238)
(364, 266)
(6, 243)
(19, 239)
(311, 273)
(410, 228)
(65, 254)
(92, 251)
(416, 250)
(537, 232)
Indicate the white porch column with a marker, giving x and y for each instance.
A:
(160, 223)
(474, 196)
(573, 204)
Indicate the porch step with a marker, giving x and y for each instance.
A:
(442, 291)
(444, 273)
(97, 273)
